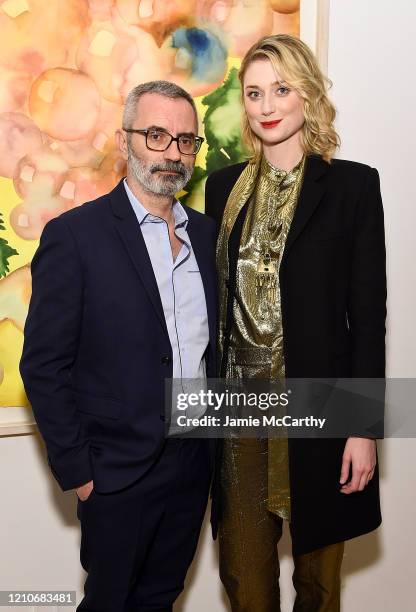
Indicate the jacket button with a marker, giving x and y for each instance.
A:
(165, 360)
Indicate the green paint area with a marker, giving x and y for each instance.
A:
(6, 251)
(222, 124)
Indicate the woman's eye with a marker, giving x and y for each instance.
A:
(253, 94)
(283, 91)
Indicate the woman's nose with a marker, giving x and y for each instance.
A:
(268, 104)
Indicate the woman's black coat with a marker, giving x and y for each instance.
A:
(333, 298)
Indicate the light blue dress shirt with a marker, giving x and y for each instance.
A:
(180, 288)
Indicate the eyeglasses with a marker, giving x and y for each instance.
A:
(159, 140)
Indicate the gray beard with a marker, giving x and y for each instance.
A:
(162, 185)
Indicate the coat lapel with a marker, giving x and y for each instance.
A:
(310, 195)
(130, 233)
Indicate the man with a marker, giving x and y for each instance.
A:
(123, 298)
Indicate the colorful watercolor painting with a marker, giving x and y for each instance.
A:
(65, 70)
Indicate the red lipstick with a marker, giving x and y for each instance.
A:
(270, 124)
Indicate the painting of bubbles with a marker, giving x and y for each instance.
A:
(66, 68)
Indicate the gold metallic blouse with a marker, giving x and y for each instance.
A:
(256, 342)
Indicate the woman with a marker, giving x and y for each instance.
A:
(301, 263)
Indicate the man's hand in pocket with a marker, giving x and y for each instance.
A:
(84, 491)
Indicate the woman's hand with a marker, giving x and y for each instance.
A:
(361, 452)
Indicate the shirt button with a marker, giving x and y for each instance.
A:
(165, 360)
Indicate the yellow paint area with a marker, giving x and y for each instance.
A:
(14, 8)
(11, 338)
(11, 344)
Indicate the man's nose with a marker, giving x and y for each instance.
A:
(172, 152)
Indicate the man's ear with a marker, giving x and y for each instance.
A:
(121, 141)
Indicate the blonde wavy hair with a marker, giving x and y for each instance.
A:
(298, 67)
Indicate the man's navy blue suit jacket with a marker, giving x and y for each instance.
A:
(96, 350)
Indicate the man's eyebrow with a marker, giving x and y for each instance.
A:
(162, 129)
(157, 127)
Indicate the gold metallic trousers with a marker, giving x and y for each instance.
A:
(248, 537)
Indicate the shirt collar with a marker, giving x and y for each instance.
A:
(280, 178)
(142, 214)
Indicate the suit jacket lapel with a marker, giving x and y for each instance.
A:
(310, 195)
(130, 233)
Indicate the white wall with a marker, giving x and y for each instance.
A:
(372, 48)
(372, 51)
(371, 62)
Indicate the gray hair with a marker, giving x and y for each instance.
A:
(163, 88)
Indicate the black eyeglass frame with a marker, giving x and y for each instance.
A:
(198, 139)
